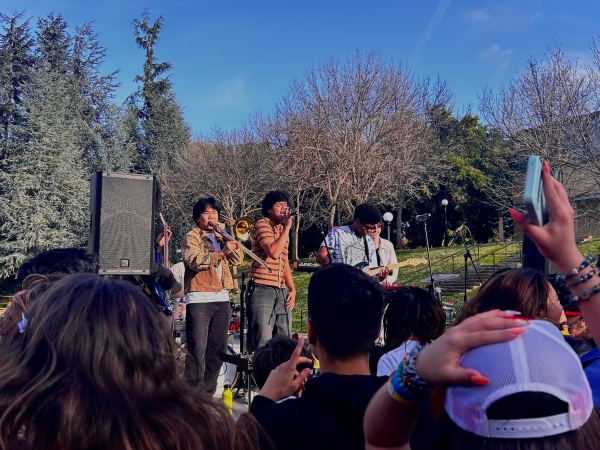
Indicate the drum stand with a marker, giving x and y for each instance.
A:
(244, 366)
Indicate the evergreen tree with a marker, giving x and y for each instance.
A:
(100, 122)
(16, 65)
(162, 128)
(44, 202)
(53, 43)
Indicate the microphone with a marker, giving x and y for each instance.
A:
(422, 217)
(295, 213)
(456, 234)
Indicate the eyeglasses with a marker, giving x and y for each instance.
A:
(369, 228)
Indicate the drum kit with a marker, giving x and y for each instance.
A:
(449, 309)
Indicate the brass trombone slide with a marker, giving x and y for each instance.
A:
(251, 254)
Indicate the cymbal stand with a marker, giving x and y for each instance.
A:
(432, 285)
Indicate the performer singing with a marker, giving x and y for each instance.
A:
(386, 255)
(354, 244)
(269, 303)
(207, 280)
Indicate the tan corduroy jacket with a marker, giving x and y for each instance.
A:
(201, 263)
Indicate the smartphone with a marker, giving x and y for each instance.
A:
(534, 198)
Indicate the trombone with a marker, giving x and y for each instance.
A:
(228, 237)
(243, 228)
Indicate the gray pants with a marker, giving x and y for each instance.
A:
(267, 316)
(207, 325)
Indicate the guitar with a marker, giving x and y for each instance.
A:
(312, 267)
(162, 297)
(409, 262)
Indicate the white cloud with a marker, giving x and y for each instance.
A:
(433, 23)
(499, 18)
(478, 16)
(499, 58)
(230, 93)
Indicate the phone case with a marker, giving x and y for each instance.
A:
(533, 197)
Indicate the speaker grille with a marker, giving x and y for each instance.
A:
(126, 224)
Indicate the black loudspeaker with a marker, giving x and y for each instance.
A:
(122, 206)
(532, 258)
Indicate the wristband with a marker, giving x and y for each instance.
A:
(586, 293)
(406, 386)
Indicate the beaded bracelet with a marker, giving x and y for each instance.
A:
(406, 386)
(582, 279)
(586, 293)
(561, 279)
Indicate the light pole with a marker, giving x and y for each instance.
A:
(388, 217)
(445, 203)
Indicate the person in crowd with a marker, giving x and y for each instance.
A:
(332, 405)
(275, 352)
(354, 244)
(60, 260)
(207, 282)
(577, 326)
(269, 304)
(93, 368)
(178, 271)
(386, 254)
(526, 291)
(502, 391)
(413, 316)
(32, 287)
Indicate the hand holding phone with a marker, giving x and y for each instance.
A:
(533, 197)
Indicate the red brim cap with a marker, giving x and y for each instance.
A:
(572, 313)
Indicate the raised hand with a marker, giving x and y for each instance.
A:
(439, 362)
(556, 239)
(285, 380)
(161, 237)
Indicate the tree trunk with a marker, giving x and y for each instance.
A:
(331, 216)
(399, 245)
(500, 227)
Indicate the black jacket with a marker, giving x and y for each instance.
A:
(329, 415)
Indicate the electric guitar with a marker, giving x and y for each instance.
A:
(313, 267)
(162, 296)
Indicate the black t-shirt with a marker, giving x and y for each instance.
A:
(329, 415)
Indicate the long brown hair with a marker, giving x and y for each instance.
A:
(94, 369)
(523, 290)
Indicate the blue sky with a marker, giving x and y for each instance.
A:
(232, 57)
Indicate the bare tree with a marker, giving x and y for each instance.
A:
(229, 166)
(549, 110)
(351, 124)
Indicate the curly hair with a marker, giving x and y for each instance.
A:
(271, 198)
(367, 213)
(94, 369)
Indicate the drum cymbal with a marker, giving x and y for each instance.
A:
(441, 277)
(237, 276)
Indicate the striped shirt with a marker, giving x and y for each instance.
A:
(265, 234)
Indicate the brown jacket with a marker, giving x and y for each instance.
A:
(201, 263)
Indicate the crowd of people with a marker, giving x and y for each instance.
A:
(86, 362)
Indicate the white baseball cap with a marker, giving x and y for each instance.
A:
(537, 361)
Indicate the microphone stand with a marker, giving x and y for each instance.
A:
(467, 256)
(432, 285)
(242, 312)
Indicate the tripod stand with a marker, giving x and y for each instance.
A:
(468, 256)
